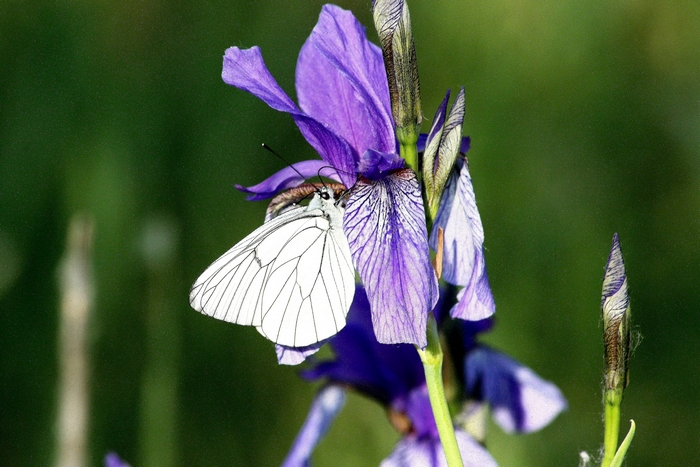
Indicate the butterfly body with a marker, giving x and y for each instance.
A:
(292, 278)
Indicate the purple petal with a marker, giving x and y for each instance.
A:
(341, 82)
(463, 255)
(475, 302)
(375, 165)
(324, 409)
(385, 224)
(427, 452)
(113, 460)
(331, 147)
(245, 69)
(296, 355)
(289, 177)
(520, 400)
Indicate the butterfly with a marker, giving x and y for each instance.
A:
(292, 278)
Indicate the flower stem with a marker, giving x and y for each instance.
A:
(408, 149)
(432, 365)
(613, 398)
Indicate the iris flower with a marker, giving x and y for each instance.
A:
(344, 112)
(393, 376)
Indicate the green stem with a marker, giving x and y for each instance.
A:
(408, 149)
(613, 399)
(432, 365)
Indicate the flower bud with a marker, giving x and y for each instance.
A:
(441, 149)
(616, 321)
(393, 23)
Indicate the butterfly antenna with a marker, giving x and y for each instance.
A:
(264, 145)
(318, 174)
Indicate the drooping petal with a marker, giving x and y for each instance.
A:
(325, 407)
(427, 452)
(475, 303)
(520, 400)
(463, 252)
(296, 355)
(288, 177)
(385, 224)
(246, 70)
(341, 82)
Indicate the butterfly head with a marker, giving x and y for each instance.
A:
(323, 197)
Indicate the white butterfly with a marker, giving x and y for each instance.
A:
(292, 278)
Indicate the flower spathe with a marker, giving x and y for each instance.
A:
(344, 112)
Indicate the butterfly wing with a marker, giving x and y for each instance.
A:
(310, 289)
(292, 278)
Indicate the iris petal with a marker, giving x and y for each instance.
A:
(325, 407)
(341, 82)
(376, 165)
(289, 177)
(520, 400)
(385, 224)
(296, 355)
(463, 252)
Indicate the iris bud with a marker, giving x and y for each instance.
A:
(616, 321)
(393, 23)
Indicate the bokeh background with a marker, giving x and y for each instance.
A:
(585, 121)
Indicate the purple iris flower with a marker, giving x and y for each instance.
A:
(393, 376)
(344, 112)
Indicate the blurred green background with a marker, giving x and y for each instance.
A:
(584, 118)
